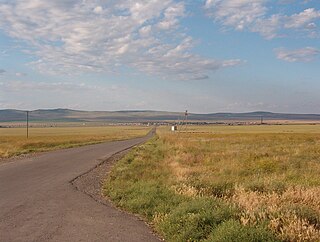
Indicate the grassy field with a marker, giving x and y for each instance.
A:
(225, 183)
(13, 141)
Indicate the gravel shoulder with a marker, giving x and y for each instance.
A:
(91, 183)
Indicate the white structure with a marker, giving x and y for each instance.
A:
(174, 128)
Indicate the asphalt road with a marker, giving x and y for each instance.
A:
(38, 202)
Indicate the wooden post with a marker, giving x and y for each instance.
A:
(27, 124)
(186, 119)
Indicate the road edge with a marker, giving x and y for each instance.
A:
(80, 183)
(151, 133)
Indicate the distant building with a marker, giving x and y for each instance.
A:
(174, 128)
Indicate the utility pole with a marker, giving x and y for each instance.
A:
(186, 118)
(27, 124)
(261, 119)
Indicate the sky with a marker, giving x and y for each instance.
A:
(206, 56)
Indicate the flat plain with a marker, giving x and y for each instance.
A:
(225, 183)
(14, 142)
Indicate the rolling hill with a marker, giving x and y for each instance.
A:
(68, 115)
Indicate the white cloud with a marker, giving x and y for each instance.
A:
(258, 16)
(269, 27)
(171, 15)
(300, 55)
(79, 36)
(302, 19)
(236, 13)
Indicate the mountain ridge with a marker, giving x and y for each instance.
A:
(70, 115)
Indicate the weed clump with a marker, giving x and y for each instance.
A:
(194, 220)
(232, 230)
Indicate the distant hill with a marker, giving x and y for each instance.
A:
(68, 115)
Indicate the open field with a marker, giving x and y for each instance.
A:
(253, 129)
(13, 141)
(225, 183)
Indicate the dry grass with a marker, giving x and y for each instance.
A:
(270, 172)
(265, 158)
(255, 129)
(13, 141)
(225, 183)
(292, 215)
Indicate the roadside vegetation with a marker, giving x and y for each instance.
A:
(13, 141)
(220, 183)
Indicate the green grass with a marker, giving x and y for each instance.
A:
(232, 230)
(13, 141)
(247, 183)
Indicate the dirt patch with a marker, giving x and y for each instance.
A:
(91, 182)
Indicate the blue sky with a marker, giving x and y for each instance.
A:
(204, 56)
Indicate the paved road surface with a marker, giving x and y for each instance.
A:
(38, 203)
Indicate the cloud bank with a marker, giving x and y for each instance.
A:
(257, 16)
(70, 36)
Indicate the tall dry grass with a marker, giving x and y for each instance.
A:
(13, 141)
(257, 179)
(272, 176)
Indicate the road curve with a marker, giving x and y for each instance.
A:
(38, 203)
